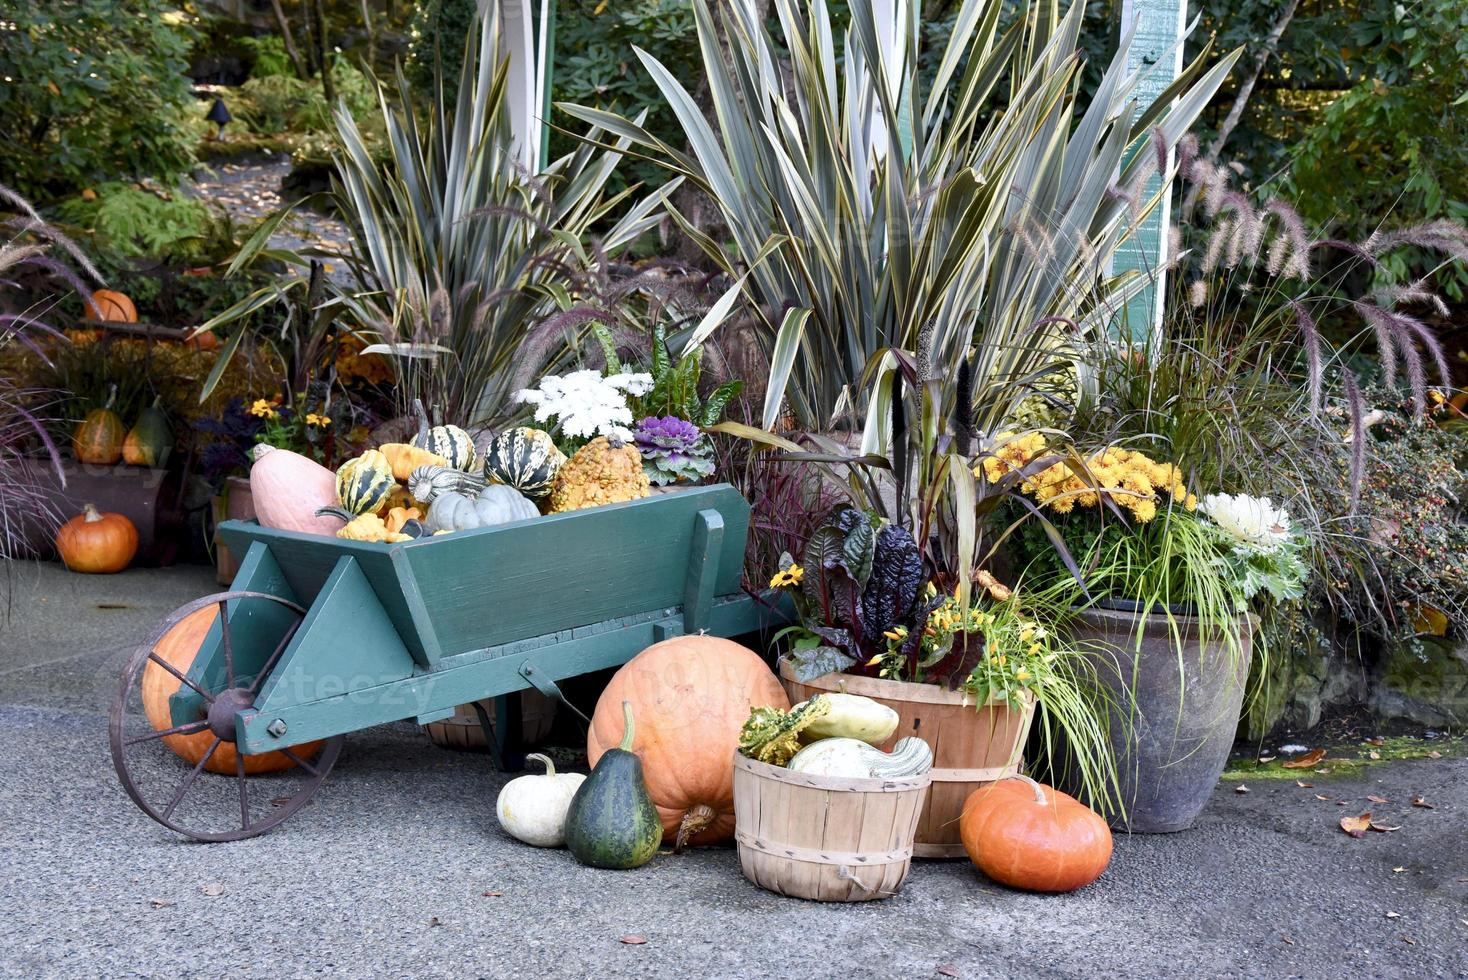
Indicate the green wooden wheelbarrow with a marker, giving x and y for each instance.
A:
(320, 636)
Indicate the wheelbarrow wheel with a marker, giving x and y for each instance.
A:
(185, 772)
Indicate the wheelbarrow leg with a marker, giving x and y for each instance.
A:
(505, 738)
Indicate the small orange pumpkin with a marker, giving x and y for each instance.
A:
(690, 696)
(1030, 836)
(112, 306)
(99, 437)
(94, 542)
(179, 647)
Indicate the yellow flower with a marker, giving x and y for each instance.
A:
(1022, 675)
(874, 661)
(896, 635)
(787, 576)
(318, 420)
(262, 409)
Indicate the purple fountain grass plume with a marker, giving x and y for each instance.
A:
(1289, 254)
(1350, 248)
(1441, 235)
(1416, 291)
(1356, 406)
(1305, 323)
(1217, 242)
(1398, 334)
(1175, 251)
(1380, 322)
(42, 230)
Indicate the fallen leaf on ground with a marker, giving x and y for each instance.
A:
(434, 922)
(1434, 754)
(159, 903)
(1357, 826)
(494, 894)
(1382, 828)
(947, 970)
(633, 940)
(1377, 799)
(214, 889)
(1394, 915)
(1409, 940)
(1305, 785)
(1323, 772)
(1376, 741)
(1323, 799)
(1286, 939)
(1307, 760)
(1241, 788)
(1266, 758)
(1421, 803)
(1397, 871)
(1373, 754)
(280, 801)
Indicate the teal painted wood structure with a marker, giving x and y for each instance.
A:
(1156, 50)
(410, 630)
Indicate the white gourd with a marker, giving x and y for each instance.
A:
(852, 716)
(452, 511)
(533, 808)
(856, 759)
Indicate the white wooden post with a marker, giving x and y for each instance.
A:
(527, 40)
(1160, 26)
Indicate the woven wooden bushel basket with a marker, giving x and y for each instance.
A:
(827, 838)
(972, 746)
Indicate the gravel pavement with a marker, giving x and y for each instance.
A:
(397, 868)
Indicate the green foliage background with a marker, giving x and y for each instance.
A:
(92, 90)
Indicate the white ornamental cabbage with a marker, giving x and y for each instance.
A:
(586, 404)
(1254, 521)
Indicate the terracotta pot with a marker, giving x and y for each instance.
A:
(972, 745)
(1174, 716)
(234, 504)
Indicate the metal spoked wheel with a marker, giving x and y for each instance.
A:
(172, 729)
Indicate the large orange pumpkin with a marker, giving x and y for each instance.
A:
(1027, 835)
(178, 647)
(99, 437)
(97, 543)
(690, 696)
(110, 305)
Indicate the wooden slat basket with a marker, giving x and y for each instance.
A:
(827, 838)
(972, 745)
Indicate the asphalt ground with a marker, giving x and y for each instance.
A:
(397, 867)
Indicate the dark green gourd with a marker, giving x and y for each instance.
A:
(612, 822)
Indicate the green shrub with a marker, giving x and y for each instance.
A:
(281, 103)
(270, 56)
(133, 222)
(95, 90)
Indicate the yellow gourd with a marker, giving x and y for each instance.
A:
(405, 458)
(370, 527)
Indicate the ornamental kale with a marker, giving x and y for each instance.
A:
(673, 450)
(861, 595)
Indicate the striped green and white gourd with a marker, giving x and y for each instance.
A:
(364, 483)
(524, 458)
(448, 441)
(426, 483)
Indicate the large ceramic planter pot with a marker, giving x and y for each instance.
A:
(1174, 711)
(973, 745)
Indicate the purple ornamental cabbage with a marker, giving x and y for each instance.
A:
(673, 450)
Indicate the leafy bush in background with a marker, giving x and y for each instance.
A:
(131, 221)
(279, 102)
(270, 56)
(96, 89)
